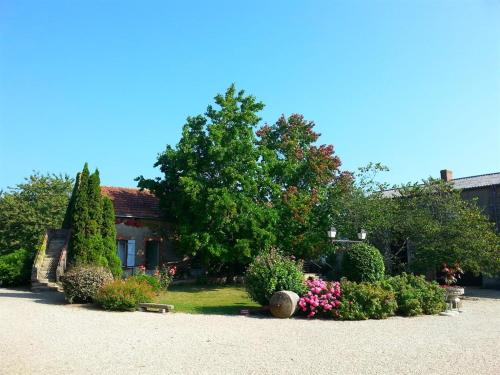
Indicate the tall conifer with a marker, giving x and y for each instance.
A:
(108, 232)
(80, 219)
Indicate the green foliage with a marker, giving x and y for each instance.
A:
(82, 283)
(30, 208)
(124, 295)
(151, 280)
(271, 272)
(415, 295)
(232, 192)
(68, 216)
(15, 268)
(79, 243)
(430, 220)
(366, 301)
(363, 262)
(93, 235)
(210, 187)
(108, 233)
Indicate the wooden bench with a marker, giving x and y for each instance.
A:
(159, 307)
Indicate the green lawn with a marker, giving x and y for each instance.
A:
(197, 299)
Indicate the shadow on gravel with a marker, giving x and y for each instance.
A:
(48, 298)
(481, 293)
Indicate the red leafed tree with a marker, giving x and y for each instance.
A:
(301, 178)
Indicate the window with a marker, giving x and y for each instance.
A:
(126, 252)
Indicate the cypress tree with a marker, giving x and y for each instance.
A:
(80, 219)
(95, 250)
(108, 232)
(68, 217)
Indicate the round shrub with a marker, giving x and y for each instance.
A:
(366, 301)
(81, 283)
(271, 272)
(363, 263)
(415, 295)
(15, 268)
(151, 280)
(124, 295)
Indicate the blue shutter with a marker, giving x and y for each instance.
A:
(131, 253)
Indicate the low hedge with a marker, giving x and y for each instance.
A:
(360, 301)
(125, 295)
(415, 295)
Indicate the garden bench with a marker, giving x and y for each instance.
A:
(161, 308)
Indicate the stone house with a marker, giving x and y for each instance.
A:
(143, 235)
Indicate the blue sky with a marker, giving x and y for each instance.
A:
(412, 84)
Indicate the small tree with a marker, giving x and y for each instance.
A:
(29, 208)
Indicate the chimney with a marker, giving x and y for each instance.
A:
(446, 175)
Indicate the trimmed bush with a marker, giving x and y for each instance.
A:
(415, 295)
(271, 272)
(124, 295)
(360, 301)
(363, 263)
(81, 284)
(151, 280)
(15, 268)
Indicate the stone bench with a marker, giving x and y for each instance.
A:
(159, 307)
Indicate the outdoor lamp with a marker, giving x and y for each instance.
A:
(362, 234)
(332, 233)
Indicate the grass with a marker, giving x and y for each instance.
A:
(195, 299)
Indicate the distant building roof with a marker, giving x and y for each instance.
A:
(476, 181)
(461, 183)
(130, 202)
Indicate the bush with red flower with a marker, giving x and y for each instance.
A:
(166, 274)
(322, 299)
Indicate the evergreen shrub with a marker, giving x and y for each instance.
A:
(363, 263)
(415, 295)
(271, 272)
(15, 268)
(360, 301)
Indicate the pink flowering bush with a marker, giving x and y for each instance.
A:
(322, 299)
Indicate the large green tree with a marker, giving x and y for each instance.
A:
(210, 188)
(29, 208)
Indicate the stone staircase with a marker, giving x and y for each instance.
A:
(45, 278)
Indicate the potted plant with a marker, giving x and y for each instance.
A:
(453, 292)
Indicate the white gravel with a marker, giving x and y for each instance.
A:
(39, 335)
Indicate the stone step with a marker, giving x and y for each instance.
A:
(44, 285)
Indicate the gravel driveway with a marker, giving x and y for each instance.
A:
(39, 334)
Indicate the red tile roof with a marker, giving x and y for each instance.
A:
(129, 202)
